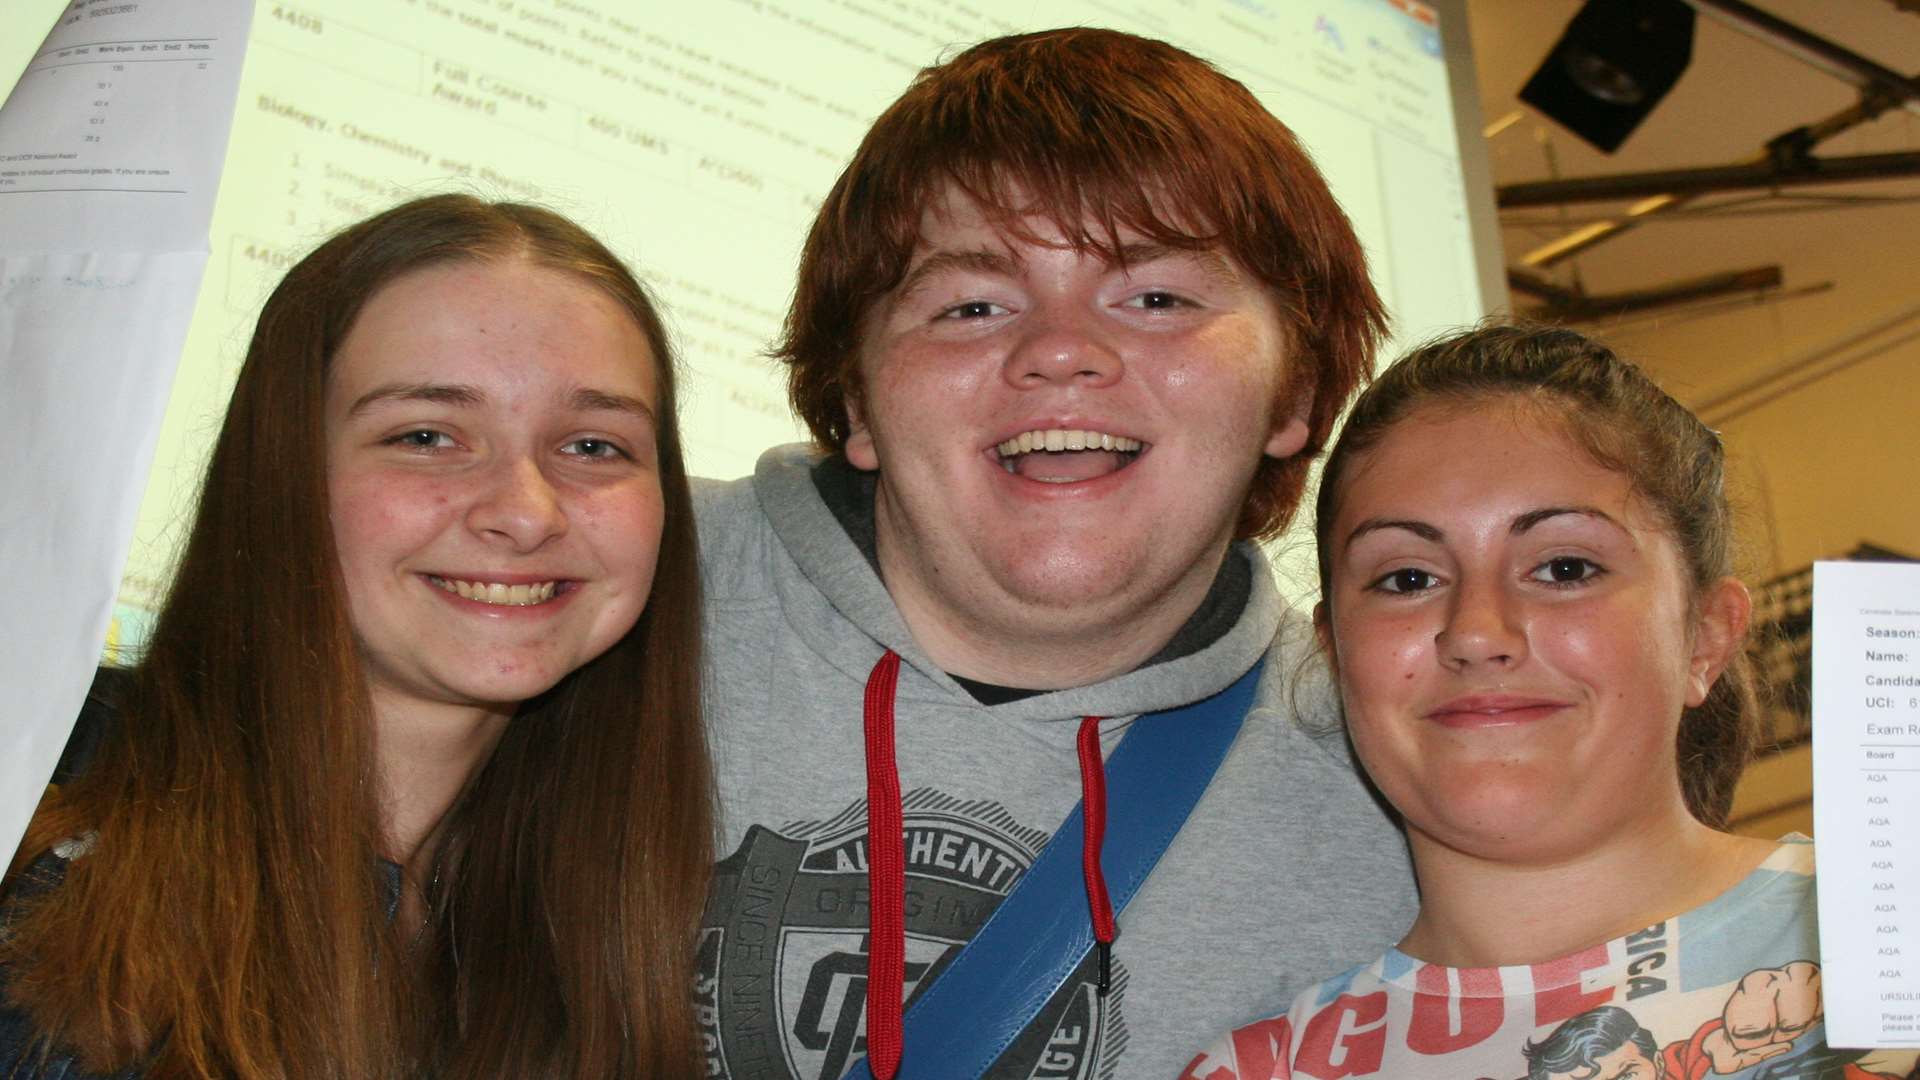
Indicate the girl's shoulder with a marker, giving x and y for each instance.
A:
(24, 1051)
(1682, 994)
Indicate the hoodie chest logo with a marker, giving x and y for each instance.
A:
(783, 952)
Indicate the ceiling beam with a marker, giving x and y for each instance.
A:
(1567, 305)
(1772, 173)
(1890, 92)
(1810, 48)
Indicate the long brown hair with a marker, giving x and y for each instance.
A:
(232, 917)
(1093, 130)
(1626, 423)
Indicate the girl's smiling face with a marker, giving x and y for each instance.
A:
(493, 481)
(1515, 634)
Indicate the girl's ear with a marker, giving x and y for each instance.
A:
(1323, 632)
(1725, 610)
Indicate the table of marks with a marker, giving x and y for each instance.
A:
(1866, 765)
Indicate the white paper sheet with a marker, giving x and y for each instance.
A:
(110, 154)
(114, 136)
(1866, 783)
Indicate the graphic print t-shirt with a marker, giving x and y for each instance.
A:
(1729, 989)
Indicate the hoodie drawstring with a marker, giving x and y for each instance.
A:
(887, 866)
(886, 876)
(1093, 802)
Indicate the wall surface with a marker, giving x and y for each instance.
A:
(1815, 385)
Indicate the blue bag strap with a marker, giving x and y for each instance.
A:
(1001, 979)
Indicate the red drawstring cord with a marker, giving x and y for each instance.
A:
(886, 876)
(887, 867)
(1093, 803)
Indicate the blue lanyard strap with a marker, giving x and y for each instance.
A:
(958, 1027)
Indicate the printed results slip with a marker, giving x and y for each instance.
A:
(1866, 782)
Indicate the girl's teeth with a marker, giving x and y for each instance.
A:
(496, 593)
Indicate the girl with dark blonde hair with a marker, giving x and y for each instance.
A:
(1529, 604)
(410, 779)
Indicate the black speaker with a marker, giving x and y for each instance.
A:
(1615, 62)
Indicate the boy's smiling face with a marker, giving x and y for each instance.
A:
(1063, 442)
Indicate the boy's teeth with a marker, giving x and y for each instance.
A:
(493, 592)
(1059, 439)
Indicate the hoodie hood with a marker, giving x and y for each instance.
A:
(829, 568)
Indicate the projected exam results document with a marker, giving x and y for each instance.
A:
(699, 146)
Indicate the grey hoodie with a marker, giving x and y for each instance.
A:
(1288, 869)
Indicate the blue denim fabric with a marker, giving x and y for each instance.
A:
(24, 1054)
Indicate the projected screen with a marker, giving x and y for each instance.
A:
(699, 144)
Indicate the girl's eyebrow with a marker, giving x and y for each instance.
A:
(587, 399)
(1521, 523)
(1418, 528)
(584, 399)
(437, 393)
(1534, 517)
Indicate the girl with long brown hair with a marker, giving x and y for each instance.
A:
(410, 780)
